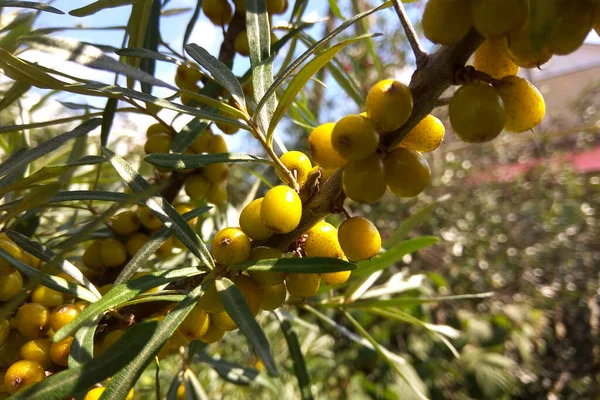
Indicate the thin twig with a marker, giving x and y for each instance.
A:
(421, 55)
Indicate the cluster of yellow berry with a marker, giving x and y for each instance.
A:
(220, 12)
(353, 143)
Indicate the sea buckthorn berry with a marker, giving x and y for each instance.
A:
(31, 260)
(223, 321)
(302, 285)
(230, 246)
(6, 268)
(575, 20)
(62, 315)
(216, 172)
(32, 320)
(322, 241)
(148, 218)
(281, 209)
(218, 145)
(273, 297)
(298, 164)
(219, 12)
(159, 143)
(319, 144)
(135, 242)
(354, 137)
(327, 173)
(426, 136)
(23, 374)
(187, 77)
(105, 288)
(46, 296)
(477, 113)
(110, 339)
(37, 350)
(389, 104)
(211, 301)
(166, 248)
(59, 352)
(276, 6)
(94, 394)
(196, 186)
(335, 278)
(227, 128)
(126, 223)
(492, 58)
(4, 331)
(251, 290)
(113, 253)
(364, 181)
(213, 334)
(495, 18)
(217, 193)
(359, 239)
(407, 173)
(527, 53)
(524, 104)
(266, 278)
(183, 208)
(240, 6)
(195, 325)
(251, 223)
(10, 285)
(145, 273)
(446, 22)
(202, 142)
(91, 256)
(241, 43)
(157, 128)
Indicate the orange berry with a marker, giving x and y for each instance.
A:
(23, 374)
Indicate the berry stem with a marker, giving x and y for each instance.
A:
(421, 55)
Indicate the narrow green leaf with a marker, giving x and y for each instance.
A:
(99, 5)
(193, 387)
(413, 301)
(107, 120)
(218, 71)
(238, 374)
(186, 136)
(191, 161)
(303, 76)
(51, 281)
(162, 209)
(395, 254)
(190, 26)
(30, 4)
(239, 311)
(296, 353)
(307, 265)
(18, 28)
(79, 379)
(145, 53)
(15, 92)
(136, 28)
(175, 383)
(82, 347)
(148, 65)
(45, 254)
(127, 377)
(157, 239)
(120, 294)
(48, 146)
(335, 9)
(79, 195)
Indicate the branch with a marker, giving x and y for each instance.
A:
(420, 55)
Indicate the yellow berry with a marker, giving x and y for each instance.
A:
(135, 242)
(202, 142)
(62, 315)
(195, 325)
(213, 334)
(4, 331)
(327, 173)
(495, 18)
(159, 143)
(266, 278)
(217, 145)
(37, 350)
(273, 297)
(23, 374)
(187, 78)
(251, 290)
(10, 285)
(322, 241)
(477, 113)
(524, 104)
(94, 394)
(298, 164)
(230, 246)
(217, 193)
(32, 320)
(216, 173)
(575, 20)
(492, 58)
(126, 223)
(251, 223)
(223, 321)
(276, 6)
(354, 137)
(105, 288)
(59, 352)
(6, 268)
(110, 339)
(407, 172)
(426, 136)
(148, 218)
(166, 248)
(446, 22)
(157, 128)
(364, 181)
(196, 186)
(46, 297)
(219, 12)
(335, 278)
(91, 256)
(321, 148)
(281, 209)
(113, 253)
(359, 239)
(241, 43)
(31, 260)
(302, 285)
(389, 104)
(227, 128)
